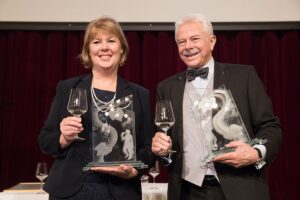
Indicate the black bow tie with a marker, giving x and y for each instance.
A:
(191, 74)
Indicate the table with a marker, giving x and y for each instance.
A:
(29, 191)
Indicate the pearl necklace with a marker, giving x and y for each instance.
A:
(101, 105)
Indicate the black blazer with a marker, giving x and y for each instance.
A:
(255, 108)
(66, 176)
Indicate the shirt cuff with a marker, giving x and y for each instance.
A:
(261, 162)
(262, 149)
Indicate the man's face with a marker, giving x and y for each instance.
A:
(194, 44)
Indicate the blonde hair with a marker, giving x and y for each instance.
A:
(110, 25)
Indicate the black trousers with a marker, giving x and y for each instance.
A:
(210, 190)
(95, 187)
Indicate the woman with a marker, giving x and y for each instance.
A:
(105, 49)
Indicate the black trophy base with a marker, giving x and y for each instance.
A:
(135, 164)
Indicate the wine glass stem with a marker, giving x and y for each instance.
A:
(41, 188)
(153, 179)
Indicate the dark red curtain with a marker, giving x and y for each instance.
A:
(32, 62)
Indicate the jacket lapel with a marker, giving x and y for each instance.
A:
(177, 100)
(221, 75)
(122, 88)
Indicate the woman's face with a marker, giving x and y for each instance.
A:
(105, 51)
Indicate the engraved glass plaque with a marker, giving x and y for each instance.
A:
(113, 134)
(219, 119)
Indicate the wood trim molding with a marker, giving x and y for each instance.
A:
(218, 26)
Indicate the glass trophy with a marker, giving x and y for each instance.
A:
(219, 119)
(113, 134)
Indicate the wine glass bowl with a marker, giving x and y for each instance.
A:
(164, 116)
(41, 173)
(77, 104)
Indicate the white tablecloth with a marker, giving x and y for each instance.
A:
(157, 191)
(154, 191)
(22, 196)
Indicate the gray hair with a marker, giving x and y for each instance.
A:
(195, 17)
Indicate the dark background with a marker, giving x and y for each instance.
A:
(32, 62)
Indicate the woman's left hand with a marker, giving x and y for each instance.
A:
(122, 171)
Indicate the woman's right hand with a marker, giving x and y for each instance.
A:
(70, 127)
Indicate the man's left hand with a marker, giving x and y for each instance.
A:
(243, 155)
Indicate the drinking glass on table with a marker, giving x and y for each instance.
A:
(164, 116)
(77, 104)
(154, 171)
(41, 173)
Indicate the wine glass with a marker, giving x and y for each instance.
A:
(77, 104)
(164, 116)
(41, 173)
(154, 171)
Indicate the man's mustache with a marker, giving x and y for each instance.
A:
(187, 52)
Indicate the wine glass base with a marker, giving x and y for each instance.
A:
(172, 151)
(41, 192)
(79, 138)
(168, 156)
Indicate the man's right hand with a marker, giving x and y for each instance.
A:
(161, 144)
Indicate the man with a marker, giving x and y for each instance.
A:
(235, 175)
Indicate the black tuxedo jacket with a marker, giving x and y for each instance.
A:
(66, 176)
(255, 108)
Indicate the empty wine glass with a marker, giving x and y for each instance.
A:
(41, 173)
(77, 104)
(154, 171)
(164, 116)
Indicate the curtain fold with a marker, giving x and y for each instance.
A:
(32, 63)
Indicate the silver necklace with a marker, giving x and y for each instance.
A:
(102, 105)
